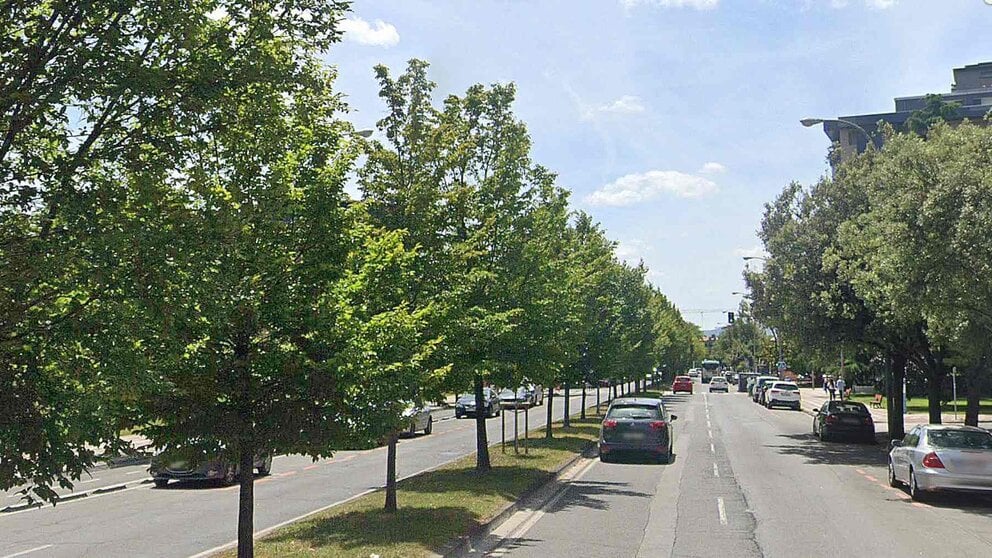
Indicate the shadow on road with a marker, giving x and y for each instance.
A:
(830, 453)
(588, 494)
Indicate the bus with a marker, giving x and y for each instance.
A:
(710, 368)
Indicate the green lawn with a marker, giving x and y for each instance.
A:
(920, 405)
(435, 507)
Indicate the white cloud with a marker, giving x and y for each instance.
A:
(360, 31)
(627, 104)
(632, 251)
(880, 4)
(695, 4)
(634, 188)
(712, 168)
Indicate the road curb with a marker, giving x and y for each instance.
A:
(76, 495)
(536, 497)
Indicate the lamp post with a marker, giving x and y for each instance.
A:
(808, 122)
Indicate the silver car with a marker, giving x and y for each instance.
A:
(419, 418)
(936, 457)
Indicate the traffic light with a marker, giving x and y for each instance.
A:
(730, 317)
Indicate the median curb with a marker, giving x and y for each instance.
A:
(76, 495)
(534, 497)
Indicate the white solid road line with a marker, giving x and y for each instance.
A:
(28, 551)
(533, 517)
(722, 511)
(710, 432)
(716, 471)
(137, 472)
(712, 448)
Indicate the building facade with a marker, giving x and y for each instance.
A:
(972, 88)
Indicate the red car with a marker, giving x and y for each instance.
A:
(682, 383)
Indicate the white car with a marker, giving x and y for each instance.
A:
(783, 394)
(719, 383)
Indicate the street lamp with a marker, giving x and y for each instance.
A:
(738, 293)
(749, 258)
(808, 122)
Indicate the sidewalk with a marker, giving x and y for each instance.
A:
(813, 399)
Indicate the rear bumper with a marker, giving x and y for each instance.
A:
(935, 479)
(784, 403)
(615, 447)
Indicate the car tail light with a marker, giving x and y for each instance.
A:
(609, 423)
(774, 391)
(931, 461)
(831, 419)
(658, 424)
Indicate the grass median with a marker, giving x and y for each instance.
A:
(435, 507)
(922, 405)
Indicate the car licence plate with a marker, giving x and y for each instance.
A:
(633, 436)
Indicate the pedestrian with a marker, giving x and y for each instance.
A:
(830, 389)
(840, 387)
(825, 390)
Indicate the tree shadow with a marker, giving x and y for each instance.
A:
(831, 453)
(587, 494)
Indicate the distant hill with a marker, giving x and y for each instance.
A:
(716, 331)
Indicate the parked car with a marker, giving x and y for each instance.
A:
(935, 457)
(682, 384)
(187, 465)
(783, 394)
(719, 383)
(759, 384)
(844, 418)
(519, 397)
(636, 424)
(419, 419)
(465, 404)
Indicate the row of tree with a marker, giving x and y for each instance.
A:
(178, 252)
(890, 259)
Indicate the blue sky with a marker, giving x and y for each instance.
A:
(673, 121)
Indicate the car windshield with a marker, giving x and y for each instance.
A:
(960, 439)
(633, 411)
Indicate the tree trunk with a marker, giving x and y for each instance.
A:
(550, 402)
(975, 378)
(614, 388)
(935, 392)
(897, 373)
(246, 501)
(566, 422)
(482, 463)
(391, 473)
(582, 411)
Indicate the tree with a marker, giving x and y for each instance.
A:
(90, 89)
(935, 110)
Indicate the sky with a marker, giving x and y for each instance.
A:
(672, 122)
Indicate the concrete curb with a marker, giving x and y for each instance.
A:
(77, 495)
(534, 497)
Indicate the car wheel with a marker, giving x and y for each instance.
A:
(266, 467)
(893, 481)
(663, 458)
(430, 425)
(914, 490)
(823, 435)
(161, 483)
(605, 458)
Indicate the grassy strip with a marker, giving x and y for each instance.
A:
(920, 404)
(435, 507)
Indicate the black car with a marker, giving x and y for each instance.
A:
(192, 466)
(844, 418)
(465, 404)
(636, 424)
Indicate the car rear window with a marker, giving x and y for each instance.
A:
(853, 408)
(787, 387)
(633, 412)
(682, 378)
(960, 439)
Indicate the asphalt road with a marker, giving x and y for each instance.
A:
(745, 482)
(186, 519)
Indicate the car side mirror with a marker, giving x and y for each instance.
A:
(895, 444)
(672, 417)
